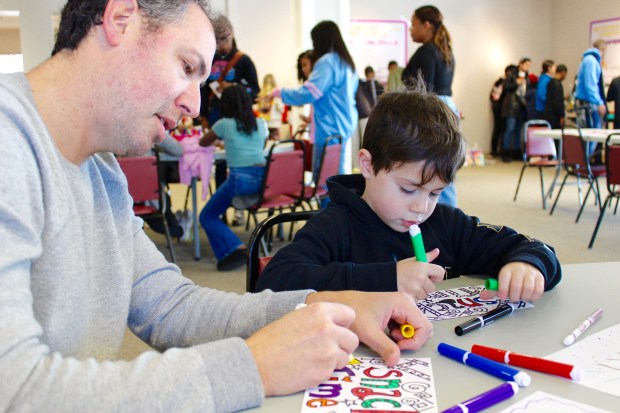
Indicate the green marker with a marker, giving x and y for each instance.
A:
(491, 284)
(418, 243)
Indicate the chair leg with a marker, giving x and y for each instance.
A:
(583, 204)
(616, 209)
(173, 257)
(542, 188)
(519, 182)
(600, 219)
(558, 195)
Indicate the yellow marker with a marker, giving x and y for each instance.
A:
(407, 330)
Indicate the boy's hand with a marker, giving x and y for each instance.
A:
(517, 281)
(303, 348)
(418, 278)
(377, 311)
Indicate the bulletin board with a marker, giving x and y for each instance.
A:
(608, 30)
(377, 42)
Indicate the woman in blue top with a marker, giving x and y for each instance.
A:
(434, 60)
(331, 90)
(244, 137)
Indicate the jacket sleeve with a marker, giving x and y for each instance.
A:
(590, 79)
(318, 259)
(480, 248)
(555, 99)
(320, 81)
(247, 75)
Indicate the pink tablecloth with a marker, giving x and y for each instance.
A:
(196, 161)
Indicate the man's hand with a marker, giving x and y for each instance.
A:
(418, 278)
(517, 281)
(303, 348)
(377, 311)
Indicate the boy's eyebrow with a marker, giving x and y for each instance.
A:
(418, 184)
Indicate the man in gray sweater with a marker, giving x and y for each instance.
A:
(76, 267)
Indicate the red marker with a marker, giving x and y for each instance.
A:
(529, 362)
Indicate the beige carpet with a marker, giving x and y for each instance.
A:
(486, 192)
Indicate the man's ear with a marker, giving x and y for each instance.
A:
(365, 163)
(117, 16)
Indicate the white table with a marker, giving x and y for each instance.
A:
(537, 331)
(591, 135)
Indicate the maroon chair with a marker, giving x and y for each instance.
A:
(538, 152)
(328, 166)
(612, 165)
(145, 185)
(577, 164)
(283, 183)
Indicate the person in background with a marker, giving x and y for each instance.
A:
(244, 139)
(589, 93)
(548, 71)
(370, 90)
(613, 95)
(435, 61)
(77, 269)
(555, 110)
(513, 106)
(305, 63)
(496, 108)
(331, 89)
(270, 109)
(530, 106)
(230, 66)
(412, 149)
(395, 73)
(525, 64)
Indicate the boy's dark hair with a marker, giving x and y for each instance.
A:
(392, 62)
(79, 16)
(368, 70)
(561, 68)
(326, 38)
(237, 104)
(414, 126)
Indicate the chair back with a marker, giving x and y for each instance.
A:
(142, 177)
(330, 160)
(284, 172)
(256, 264)
(538, 145)
(612, 163)
(574, 154)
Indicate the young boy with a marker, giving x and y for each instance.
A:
(411, 151)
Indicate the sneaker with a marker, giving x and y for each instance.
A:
(186, 222)
(236, 259)
(239, 218)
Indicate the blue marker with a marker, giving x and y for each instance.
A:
(494, 368)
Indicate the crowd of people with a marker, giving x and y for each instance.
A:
(520, 96)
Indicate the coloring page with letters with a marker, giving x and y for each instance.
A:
(461, 302)
(366, 384)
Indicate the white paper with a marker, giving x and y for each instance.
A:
(215, 85)
(541, 402)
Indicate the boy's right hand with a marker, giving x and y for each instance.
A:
(418, 278)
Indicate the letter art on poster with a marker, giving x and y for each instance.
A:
(366, 384)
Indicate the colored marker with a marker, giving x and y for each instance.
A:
(483, 320)
(407, 330)
(418, 243)
(529, 362)
(487, 399)
(494, 368)
(491, 284)
(581, 328)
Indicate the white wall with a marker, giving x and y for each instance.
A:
(487, 35)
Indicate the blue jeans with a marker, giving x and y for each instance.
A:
(448, 196)
(512, 130)
(588, 117)
(241, 181)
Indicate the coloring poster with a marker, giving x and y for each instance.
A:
(541, 402)
(366, 384)
(460, 302)
(599, 356)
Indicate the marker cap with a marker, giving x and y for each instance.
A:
(491, 284)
